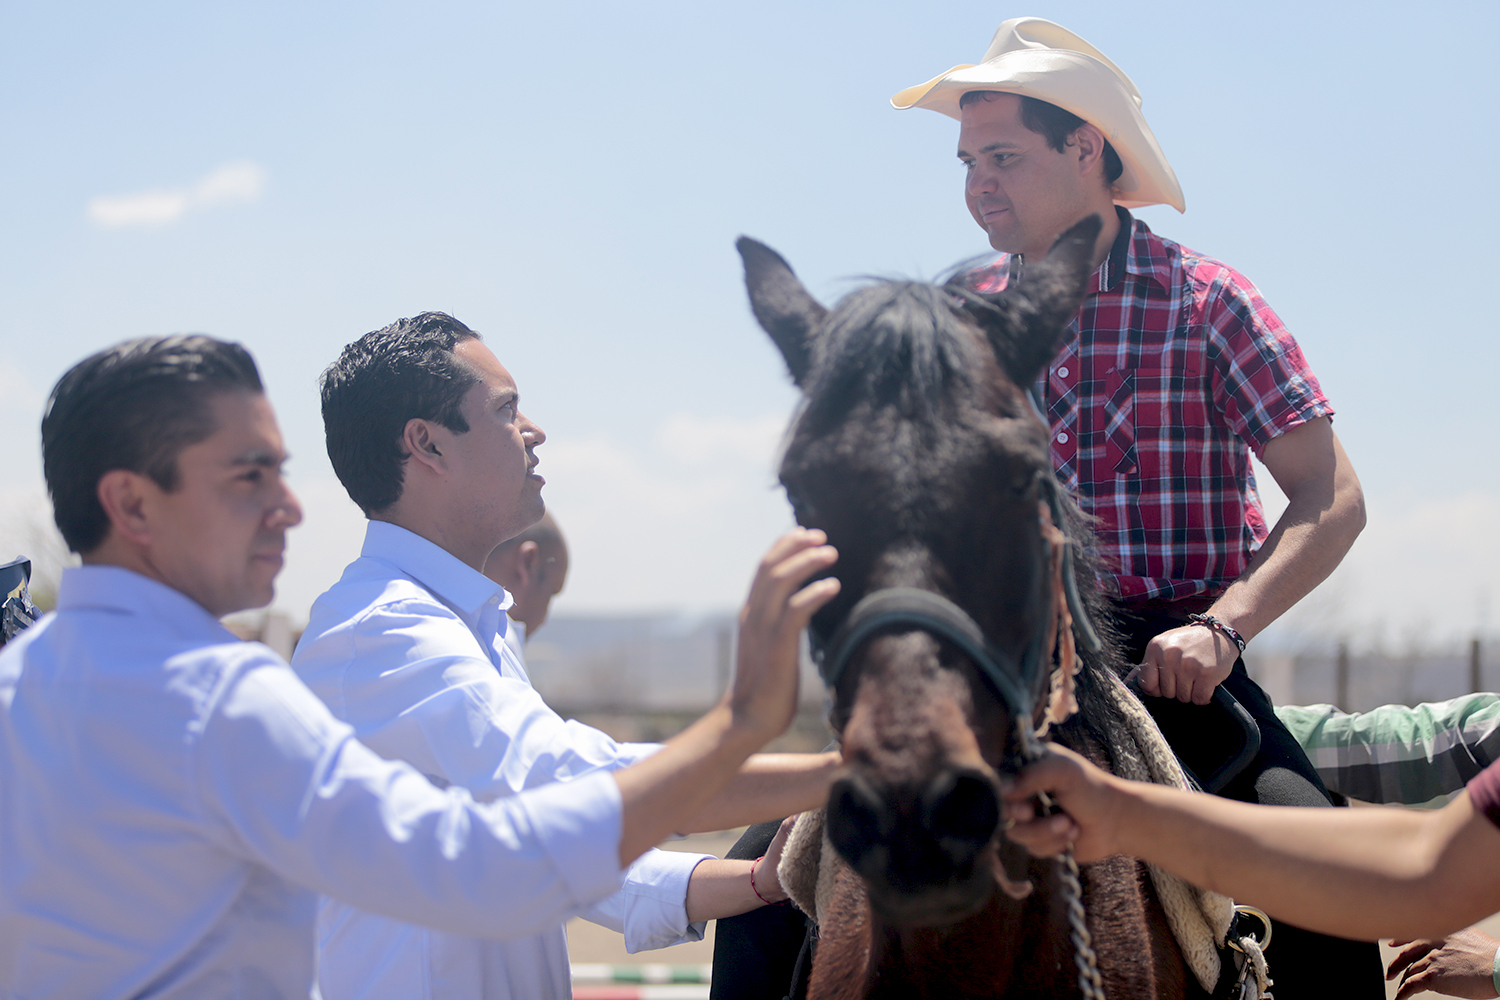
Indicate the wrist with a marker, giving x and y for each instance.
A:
(1222, 627)
(771, 892)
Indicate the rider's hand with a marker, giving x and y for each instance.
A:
(1460, 965)
(763, 695)
(1186, 663)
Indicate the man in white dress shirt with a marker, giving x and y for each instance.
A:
(172, 800)
(425, 432)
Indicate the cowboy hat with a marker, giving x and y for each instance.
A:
(1037, 58)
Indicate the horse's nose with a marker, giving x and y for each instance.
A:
(961, 811)
(859, 821)
(926, 842)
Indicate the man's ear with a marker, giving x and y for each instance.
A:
(122, 494)
(1089, 142)
(419, 438)
(529, 563)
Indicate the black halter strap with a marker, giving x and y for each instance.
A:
(907, 608)
(896, 609)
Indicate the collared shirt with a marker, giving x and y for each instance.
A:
(1174, 370)
(409, 648)
(1400, 754)
(172, 800)
(515, 638)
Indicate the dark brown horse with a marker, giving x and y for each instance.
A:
(918, 451)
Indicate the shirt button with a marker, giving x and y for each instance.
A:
(1062, 437)
(1062, 372)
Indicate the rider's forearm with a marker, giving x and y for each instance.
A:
(1325, 513)
(769, 786)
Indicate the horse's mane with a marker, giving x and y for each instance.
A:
(893, 343)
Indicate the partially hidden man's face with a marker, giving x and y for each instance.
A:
(548, 581)
(1020, 190)
(220, 536)
(492, 463)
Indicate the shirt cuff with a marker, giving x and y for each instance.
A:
(651, 910)
(578, 824)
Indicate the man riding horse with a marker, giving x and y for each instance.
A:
(1174, 371)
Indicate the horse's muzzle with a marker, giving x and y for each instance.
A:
(923, 852)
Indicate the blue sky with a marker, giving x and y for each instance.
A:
(569, 179)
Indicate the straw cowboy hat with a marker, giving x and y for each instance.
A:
(1037, 58)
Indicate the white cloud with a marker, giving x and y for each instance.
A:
(241, 181)
(230, 183)
(146, 208)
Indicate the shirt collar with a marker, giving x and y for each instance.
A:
(444, 574)
(1137, 252)
(115, 588)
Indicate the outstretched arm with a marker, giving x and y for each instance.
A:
(1361, 873)
(1325, 512)
(767, 787)
(664, 792)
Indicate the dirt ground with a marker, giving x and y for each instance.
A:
(590, 943)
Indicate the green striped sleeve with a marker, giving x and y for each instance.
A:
(1411, 755)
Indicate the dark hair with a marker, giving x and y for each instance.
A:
(1052, 123)
(384, 379)
(133, 406)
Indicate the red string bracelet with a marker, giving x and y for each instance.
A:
(779, 902)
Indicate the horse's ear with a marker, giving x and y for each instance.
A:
(782, 306)
(1026, 324)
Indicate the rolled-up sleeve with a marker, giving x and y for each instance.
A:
(651, 909)
(290, 788)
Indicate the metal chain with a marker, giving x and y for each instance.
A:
(1089, 982)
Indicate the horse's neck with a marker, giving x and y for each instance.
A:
(1011, 948)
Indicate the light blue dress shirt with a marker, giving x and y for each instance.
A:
(173, 799)
(409, 647)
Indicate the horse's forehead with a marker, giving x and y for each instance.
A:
(880, 445)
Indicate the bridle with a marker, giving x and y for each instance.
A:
(1052, 645)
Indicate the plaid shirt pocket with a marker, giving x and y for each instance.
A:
(1119, 421)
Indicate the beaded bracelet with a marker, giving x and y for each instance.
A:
(1209, 621)
(768, 902)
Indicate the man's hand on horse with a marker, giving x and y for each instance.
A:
(764, 689)
(1088, 797)
(1186, 663)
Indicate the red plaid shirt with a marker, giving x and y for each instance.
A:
(1172, 372)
